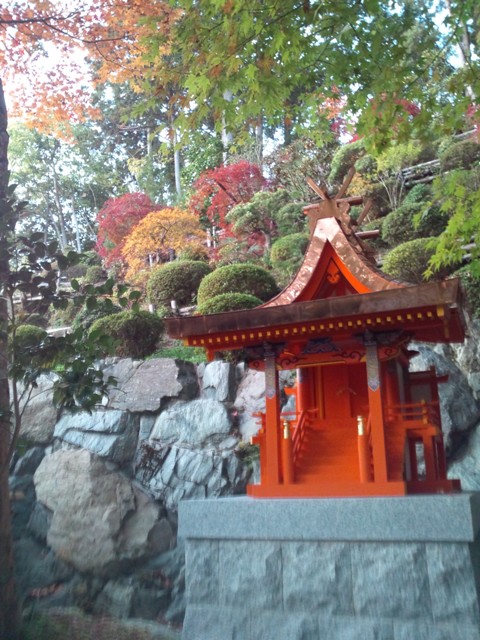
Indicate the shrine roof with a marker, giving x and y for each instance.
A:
(337, 288)
(431, 310)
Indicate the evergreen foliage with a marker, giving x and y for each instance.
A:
(135, 334)
(238, 278)
(409, 261)
(177, 281)
(87, 315)
(228, 302)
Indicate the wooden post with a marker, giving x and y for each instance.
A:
(363, 452)
(376, 410)
(287, 455)
(272, 418)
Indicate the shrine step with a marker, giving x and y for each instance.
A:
(328, 454)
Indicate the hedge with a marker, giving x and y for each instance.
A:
(177, 281)
(409, 260)
(238, 278)
(228, 302)
(135, 333)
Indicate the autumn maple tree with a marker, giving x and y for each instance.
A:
(160, 234)
(219, 190)
(116, 219)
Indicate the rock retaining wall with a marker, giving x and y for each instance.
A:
(95, 497)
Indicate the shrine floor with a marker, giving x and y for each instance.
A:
(341, 569)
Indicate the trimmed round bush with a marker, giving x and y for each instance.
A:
(94, 274)
(86, 317)
(409, 260)
(177, 280)
(136, 333)
(413, 220)
(195, 252)
(228, 302)
(287, 254)
(345, 157)
(289, 249)
(460, 155)
(28, 336)
(238, 278)
(418, 194)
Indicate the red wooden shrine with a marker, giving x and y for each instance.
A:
(363, 424)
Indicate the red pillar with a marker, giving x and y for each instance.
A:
(377, 428)
(272, 420)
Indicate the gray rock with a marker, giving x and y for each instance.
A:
(326, 584)
(459, 409)
(276, 625)
(218, 381)
(453, 592)
(354, 628)
(260, 565)
(467, 466)
(109, 434)
(202, 577)
(390, 580)
(250, 399)
(192, 422)
(206, 623)
(116, 599)
(145, 385)
(28, 463)
(99, 519)
(39, 522)
(39, 414)
(38, 568)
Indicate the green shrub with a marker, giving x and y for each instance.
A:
(86, 317)
(471, 288)
(94, 274)
(287, 255)
(343, 159)
(366, 165)
(409, 260)
(413, 220)
(420, 193)
(460, 155)
(195, 252)
(76, 271)
(291, 219)
(238, 278)
(177, 280)
(136, 333)
(28, 336)
(228, 302)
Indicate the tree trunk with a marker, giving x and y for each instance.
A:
(177, 165)
(9, 610)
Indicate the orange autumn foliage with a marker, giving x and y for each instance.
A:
(45, 44)
(157, 234)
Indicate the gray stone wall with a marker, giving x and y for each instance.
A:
(294, 589)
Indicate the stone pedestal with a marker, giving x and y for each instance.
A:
(404, 568)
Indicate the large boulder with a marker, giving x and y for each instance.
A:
(99, 520)
(460, 410)
(109, 434)
(218, 381)
(39, 415)
(192, 422)
(147, 385)
(191, 453)
(250, 399)
(466, 466)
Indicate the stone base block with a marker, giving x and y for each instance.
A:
(379, 568)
